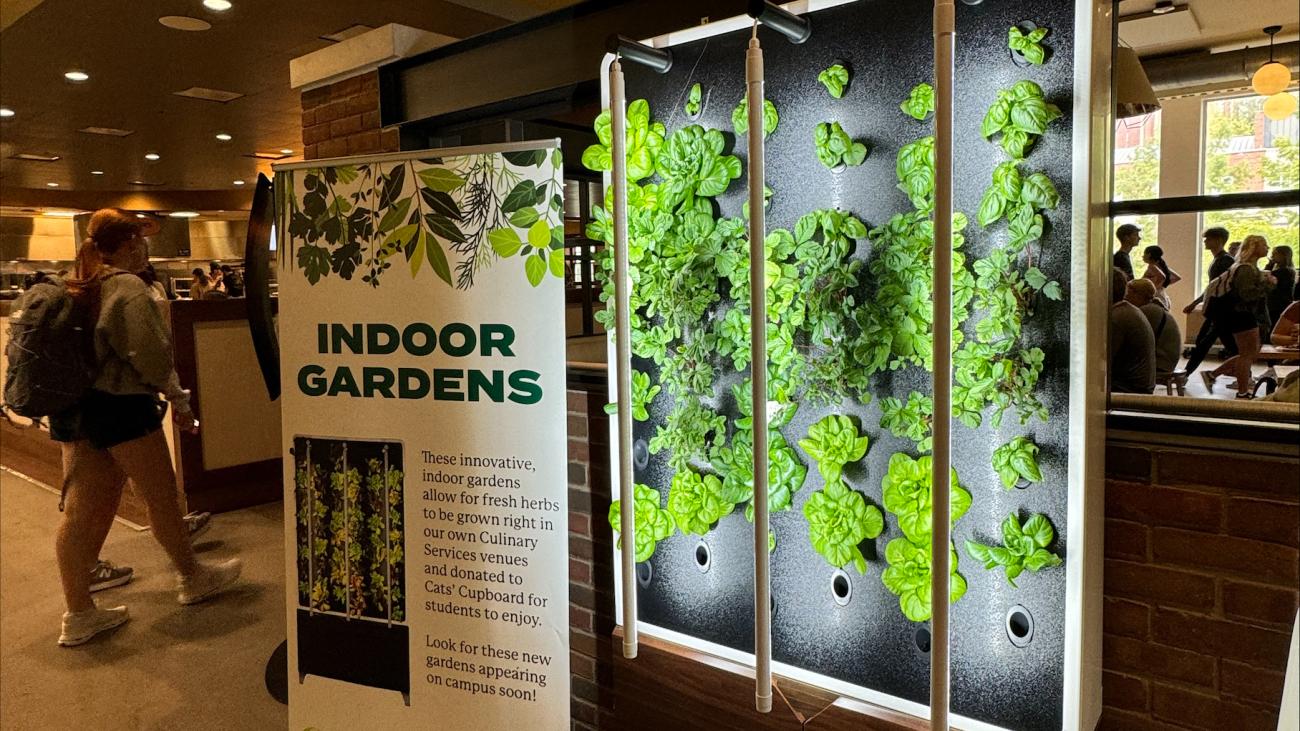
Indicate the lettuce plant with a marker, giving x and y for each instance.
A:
(1019, 115)
(834, 442)
(1023, 547)
(653, 523)
(1030, 45)
(785, 473)
(906, 494)
(642, 394)
(1016, 460)
(908, 576)
(920, 102)
(839, 519)
(740, 117)
(835, 147)
(643, 142)
(835, 78)
(695, 501)
(691, 164)
(694, 100)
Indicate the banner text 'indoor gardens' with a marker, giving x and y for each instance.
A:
(419, 339)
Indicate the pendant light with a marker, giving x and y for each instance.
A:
(1273, 77)
(1280, 106)
(1133, 93)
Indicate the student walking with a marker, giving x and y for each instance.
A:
(1215, 239)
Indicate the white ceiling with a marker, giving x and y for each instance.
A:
(1223, 24)
(136, 64)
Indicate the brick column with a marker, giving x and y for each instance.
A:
(343, 119)
(1202, 563)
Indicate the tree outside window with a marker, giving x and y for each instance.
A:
(1137, 170)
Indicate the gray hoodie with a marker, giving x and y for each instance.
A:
(131, 343)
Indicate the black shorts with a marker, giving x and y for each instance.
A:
(108, 419)
(1235, 321)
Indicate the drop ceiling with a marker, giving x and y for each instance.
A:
(137, 66)
(1203, 25)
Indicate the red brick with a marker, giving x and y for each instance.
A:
(1113, 719)
(1256, 646)
(586, 690)
(308, 118)
(584, 642)
(316, 134)
(1263, 520)
(371, 119)
(1165, 506)
(579, 450)
(580, 523)
(1260, 475)
(579, 571)
(1126, 655)
(332, 111)
(1126, 618)
(345, 126)
(369, 81)
(580, 547)
(1234, 555)
(345, 88)
(1158, 585)
(1252, 684)
(362, 102)
(580, 618)
(1125, 539)
(1124, 691)
(390, 140)
(582, 596)
(315, 98)
(309, 152)
(576, 401)
(1259, 604)
(332, 148)
(582, 666)
(582, 711)
(577, 473)
(1199, 710)
(364, 143)
(577, 427)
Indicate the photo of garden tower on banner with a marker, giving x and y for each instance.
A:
(422, 354)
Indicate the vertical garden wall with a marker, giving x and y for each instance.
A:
(850, 166)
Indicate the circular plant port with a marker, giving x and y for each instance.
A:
(703, 556)
(1018, 58)
(841, 588)
(972, 2)
(922, 639)
(1022, 483)
(1020, 626)
(644, 572)
(640, 454)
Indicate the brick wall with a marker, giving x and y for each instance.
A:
(591, 567)
(343, 119)
(1202, 564)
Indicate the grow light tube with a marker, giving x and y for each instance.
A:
(623, 347)
(944, 31)
(758, 377)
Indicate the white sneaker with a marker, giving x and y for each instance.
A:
(209, 580)
(80, 627)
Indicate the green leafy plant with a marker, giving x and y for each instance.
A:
(908, 576)
(1020, 198)
(834, 442)
(644, 139)
(909, 419)
(835, 78)
(905, 492)
(694, 100)
(839, 519)
(688, 432)
(1017, 460)
(1030, 45)
(920, 102)
(1020, 114)
(740, 117)
(653, 523)
(695, 501)
(735, 462)
(835, 147)
(1004, 378)
(1023, 548)
(642, 394)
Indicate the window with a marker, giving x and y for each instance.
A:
(1246, 152)
(1137, 169)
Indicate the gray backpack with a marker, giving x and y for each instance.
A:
(50, 350)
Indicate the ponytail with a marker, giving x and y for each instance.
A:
(90, 261)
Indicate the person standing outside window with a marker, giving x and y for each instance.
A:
(1215, 239)
(1129, 236)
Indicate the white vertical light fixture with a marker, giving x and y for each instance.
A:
(940, 489)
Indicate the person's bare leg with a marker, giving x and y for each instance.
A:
(93, 495)
(1226, 366)
(1248, 348)
(146, 461)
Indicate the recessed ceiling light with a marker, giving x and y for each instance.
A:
(218, 5)
(6, 112)
(34, 157)
(52, 185)
(184, 214)
(96, 172)
(152, 156)
(76, 76)
(239, 182)
(184, 22)
(223, 137)
(1163, 6)
(286, 151)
